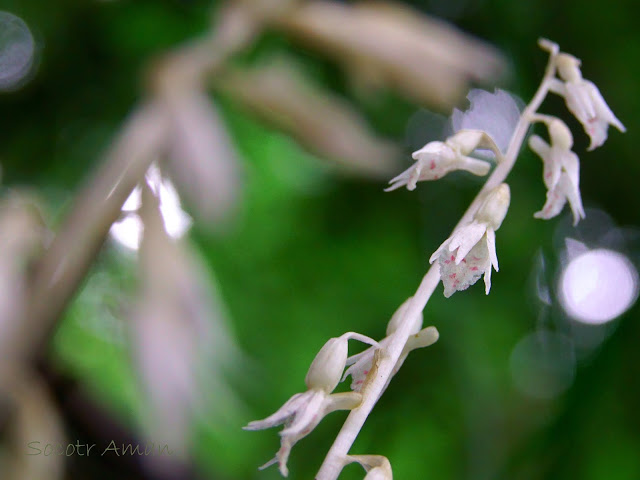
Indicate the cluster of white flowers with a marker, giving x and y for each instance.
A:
(491, 122)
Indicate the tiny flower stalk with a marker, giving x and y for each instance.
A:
(376, 466)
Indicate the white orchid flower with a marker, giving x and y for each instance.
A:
(471, 249)
(561, 172)
(304, 411)
(436, 159)
(584, 100)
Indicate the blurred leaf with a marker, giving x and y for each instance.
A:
(321, 122)
(390, 44)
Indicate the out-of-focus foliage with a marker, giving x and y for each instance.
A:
(313, 254)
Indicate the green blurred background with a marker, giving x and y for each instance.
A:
(315, 253)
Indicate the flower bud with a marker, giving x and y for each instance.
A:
(495, 206)
(326, 369)
(560, 135)
(568, 67)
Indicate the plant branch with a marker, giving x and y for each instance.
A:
(337, 456)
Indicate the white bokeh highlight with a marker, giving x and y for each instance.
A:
(598, 286)
(128, 230)
(17, 51)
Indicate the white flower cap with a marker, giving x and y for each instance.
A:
(495, 206)
(568, 67)
(560, 134)
(327, 367)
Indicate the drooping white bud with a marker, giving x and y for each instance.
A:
(326, 369)
(495, 206)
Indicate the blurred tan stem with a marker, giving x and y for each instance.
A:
(97, 206)
(68, 259)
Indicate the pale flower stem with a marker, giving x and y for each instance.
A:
(539, 117)
(335, 459)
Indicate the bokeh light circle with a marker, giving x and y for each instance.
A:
(17, 51)
(598, 286)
